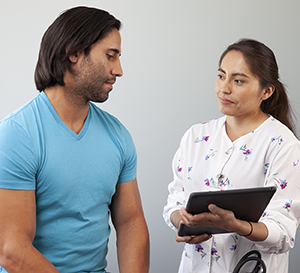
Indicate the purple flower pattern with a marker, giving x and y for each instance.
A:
(189, 171)
(214, 254)
(234, 246)
(287, 205)
(246, 151)
(211, 154)
(199, 248)
(278, 139)
(204, 138)
(282, 183)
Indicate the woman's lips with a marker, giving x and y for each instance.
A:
(225, 101)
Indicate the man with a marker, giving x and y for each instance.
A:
(65, 164)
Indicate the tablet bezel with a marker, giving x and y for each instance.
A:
(247, 204)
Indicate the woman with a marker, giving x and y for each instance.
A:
(252, 145)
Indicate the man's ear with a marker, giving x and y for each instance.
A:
(267, 92)
(73, 57)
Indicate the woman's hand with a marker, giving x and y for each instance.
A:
(194, 239)
(217, 217)
(177, 219)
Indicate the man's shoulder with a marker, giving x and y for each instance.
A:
(117, 131)
(25, 120)
(113, 122)
(24, 112)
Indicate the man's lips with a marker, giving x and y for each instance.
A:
(110, 83)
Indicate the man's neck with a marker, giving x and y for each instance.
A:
(71, 109)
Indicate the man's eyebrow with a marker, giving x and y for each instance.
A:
(234, 74)
(117, 51)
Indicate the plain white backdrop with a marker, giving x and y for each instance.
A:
(170, 52)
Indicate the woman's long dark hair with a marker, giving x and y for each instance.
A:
(262, 63)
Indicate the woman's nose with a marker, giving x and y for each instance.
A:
(225, 87)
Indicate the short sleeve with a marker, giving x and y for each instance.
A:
(129, 170)
(17, 164)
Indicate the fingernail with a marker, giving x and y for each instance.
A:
(188, 238)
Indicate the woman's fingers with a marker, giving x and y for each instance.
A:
(193, 239)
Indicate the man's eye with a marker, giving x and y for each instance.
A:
(109, 56)
(220, 77)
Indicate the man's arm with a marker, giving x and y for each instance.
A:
(17, 231)
(131, 228)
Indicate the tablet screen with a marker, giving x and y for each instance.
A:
(246, 204)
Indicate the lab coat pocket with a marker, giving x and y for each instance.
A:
(186, 263)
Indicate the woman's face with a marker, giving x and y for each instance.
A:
(238, 91)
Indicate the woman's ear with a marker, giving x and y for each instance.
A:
(267, 92)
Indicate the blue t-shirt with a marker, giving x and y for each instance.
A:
(74, 177)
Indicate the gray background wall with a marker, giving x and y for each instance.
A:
(170, 55)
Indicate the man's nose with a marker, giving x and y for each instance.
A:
(117, 69)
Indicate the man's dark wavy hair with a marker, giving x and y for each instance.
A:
(73, 31)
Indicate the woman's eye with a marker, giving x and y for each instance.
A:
(238, 81)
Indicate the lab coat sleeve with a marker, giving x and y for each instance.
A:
(176, 198)
(283, 212)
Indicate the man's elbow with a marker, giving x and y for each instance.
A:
(10, 257)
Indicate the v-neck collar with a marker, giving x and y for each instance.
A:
(62, 124)
(245, 135)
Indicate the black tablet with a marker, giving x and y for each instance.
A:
(246, 204)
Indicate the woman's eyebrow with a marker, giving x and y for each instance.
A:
(221, 70)
(234, 74)
(240, 74)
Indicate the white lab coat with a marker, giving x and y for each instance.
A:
(268, 156)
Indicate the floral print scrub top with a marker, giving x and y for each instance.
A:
(208, 160)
